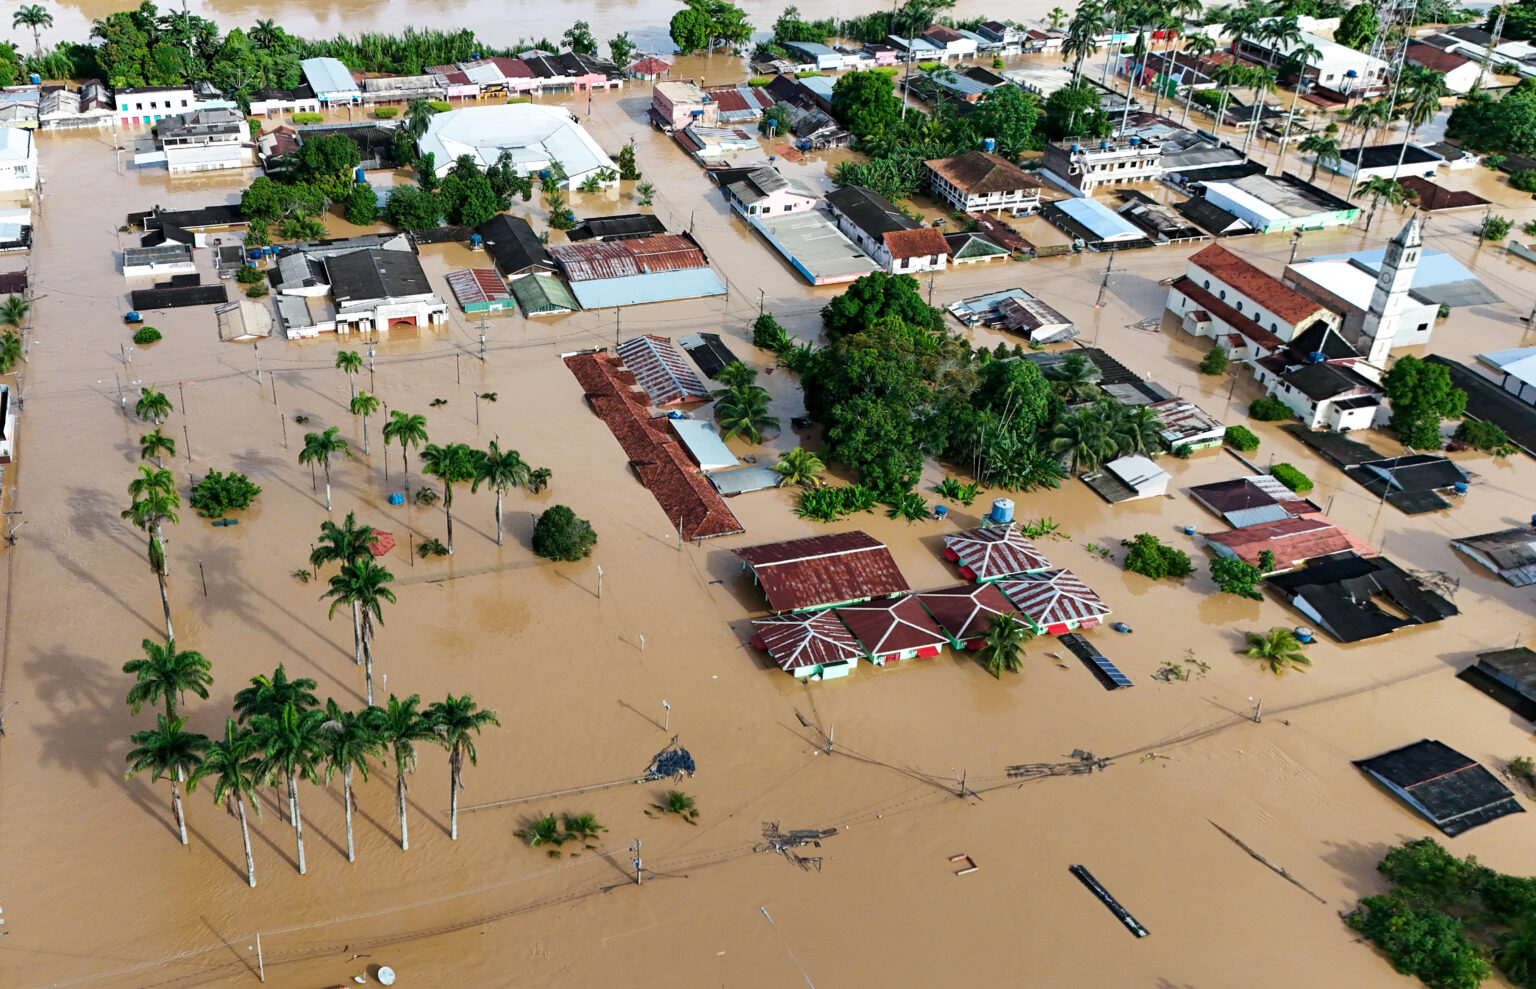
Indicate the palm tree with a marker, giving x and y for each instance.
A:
(1003, 645)
(1421, 91)
(1057, 17)
(153, 405)
(1197, 45)
(265, 34)
(10, 350)
(418, 118)
(1088, 22)
(349, 742)
(1085, 436)
(1074, 379)
(1261, 81)
(232, 763)
(1515, 953)
(157, 445)
(361, 585)
(14, 310)
(400, 726)
(681, 804)
(268, 695)
(1135, 428)
(1279, 650)
(344, 543)
(744, 412)
(409, 429)
(350, 362)
(799, 467)
(545, 831)
(1378, 188)
(735, 375)
(1278, 33)
(1324, 148)
(1242, 22)
(1227, 75)
(168, 752)
(165, 674)
(456, 721)
(154, 503)
(365, 405)
(452, 464)
(503, 471)
(291, 743)
(1297, 59)
(319, 448)
(582, 827)
(34, 16)
(1366, 117)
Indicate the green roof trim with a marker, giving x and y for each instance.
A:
(978, 247)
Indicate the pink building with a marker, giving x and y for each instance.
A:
(676, 104)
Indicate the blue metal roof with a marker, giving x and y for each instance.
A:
(658, 286)
(1102, 221)
(820, 85)
(327, 75)
(1434, 268)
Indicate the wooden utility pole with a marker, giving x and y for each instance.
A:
(634, 857)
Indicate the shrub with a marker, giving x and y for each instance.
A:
(432, 547)
(1149, 557)
(1291, 478)
(257, 291)
(248, 274)
(1242, 438)
(758, 81)
(560, 535)
(1214, 362)
(1524, 180)
(767, 334)
(218, 493)
(1268, 410)
(518, 99)
(1183, 450)
(307, 118)
(1236, 577)
(386, 112)
(145, 334)
(1488, 436)
(440, 106)
(1495, 228)
(1493, 162)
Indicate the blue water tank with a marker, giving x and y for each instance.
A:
(358, 175)
(1103, 145)
(254, 253)
(1189, 530)
(1135, 141)
(1002, 511)
(940, 511)
(1076, 148)
(988, 144)
(1460, 487)
(35, 79)
(475, 241)
(1317, 357)
(396, 498)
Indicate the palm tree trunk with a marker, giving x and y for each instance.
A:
(346, 789)
(165, 604)
(181, 820)
(453, 803)
(498, 516)
(405, 836)
(405, 462)
(293, 802)
(448, 509)
(298, 821)
(365, 436)
(327, 484)
(245, 834)
(368, 670)
(357, 635)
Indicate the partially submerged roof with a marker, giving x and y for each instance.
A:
(661, 370)
(1250, 500)
(1339, 591)
(1388, 155)
(704, 445)
(1324, 380)
(635, 290)
(994, 551)
(373, 274)
(1434, 197)
(1292, 540)
(622, 226)
(1180, 421)
(894, 625)
(476, 285)
(327, 75)
(1488, 402)
(1099, 220)
(978, 173)
(1510, 553)
(1212, 218)
(621, 259)
(870, 211)
(1054, 597)
(1452, 790)
(818, 571)
(534, 134)
(513, 245)
(709, 352)
(799, 641)
(966, 611)
(1262, 288)
(1438, 277)
(1508, 676)
(539, 295)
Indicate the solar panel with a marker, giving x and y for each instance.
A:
(1108, 672)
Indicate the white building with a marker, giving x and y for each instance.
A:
(1387, 161)
(952, 44)
(18, 160)
(900, 245)
(201, 141)
(1248, 311)
(1335, 66)
(382, 290)
(535, 135)
(1325, 394)
(331, 81)
(979, 181)
(147, 104)
(157, 262)
(1274, 204)
(1128, 479)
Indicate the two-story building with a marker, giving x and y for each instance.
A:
(759, 190)
(680, 103)
(953, 46)
(331, 81)
(1327, 394)
(981, 182)
(202, 141)
(148, 104)
(900, 245)
(1247, 311)
(18, 160)
(1084, 166)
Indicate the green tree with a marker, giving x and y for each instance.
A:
(418, 118)
(1424, 874)
(1378, 188)
(1323, 147)
(1085, 436)
(1075, 111)
(365, 405)
(866, 103)
(1148, 556)
(1003, 645)
(268, 695)
(292, 744)
(560, 535)
(408, 429)
(1236, 577)
(10, 350)
(1422, 396)
(621, 51)
(154, 502)
(877, 297)
(343, 544)
(362, 205)
(502, 470)
(157, 445)
(1279, 650)
(1358, 27)
(348, 741)
(1421, 942)
(168, 752)
(744, 412)
(1214, 362)
(799, 467)
(232, 763)
(153, 405)
(35, 17)
(360, 585)
(166, 674)
(453, 463)
(14, 310)
(580, 39)
(410, 208)
(1008, 115)
(626, 162)
(689, 30)
(1075, 379)
(400, 725)
(456, 721)
(320, 448)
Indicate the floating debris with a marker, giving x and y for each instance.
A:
(1081, 763)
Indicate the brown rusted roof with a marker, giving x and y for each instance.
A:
(1292, 540)
(664, 252)
(995, 551)
(941, 35)
(1430, 57)
(885, 628)
(1436, 197)
(823, 570)
(965, 611)
(1000, 232)
(921, 242)
(979, 172)
(798, 641)
(1264, 289)
(650, 66)
(618, 259)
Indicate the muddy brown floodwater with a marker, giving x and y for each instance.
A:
(96, 890)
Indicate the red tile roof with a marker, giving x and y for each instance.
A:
(649, 66)
(941, 35)
(690, 502)
(1215, 307)
(995, 551)
(1000, 232)
(823, 570)
(1430, 57)
(798, 641)
(965, 611)
(1054, 597)
(917, 243)
(1263, 289)
(886, 628)
(1292, 540)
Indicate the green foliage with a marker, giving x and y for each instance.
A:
(879, 296)
(560, 217)
(249, 274)
(645, 194)
(1267, 561)
(1241, 438)
(1422, 396)
(257, 291)
(145, 335)
(1150, 557)
(308, 118)
(433, 546)
(908, 505)
(954, 490)
(681, 804)
(386, 112)
(1487, 436)
(866, 104)
(216, 493)
(832, 503)
(560, 535)
(1236, 577)
(1008, 115)
(580, 39)
(1214, 361)
(1524, 179)
(767, 334)
(410, 208)
(1074, 111)
(776, 120)
(466, 194)
(1292, 478)
(1358, 27)
(1268, 410)
(1495, 228)
(362, 205)
(702, 24)
(10, 350)
(1508, 124)
(626, 161)
(293, 228)
(441, 106)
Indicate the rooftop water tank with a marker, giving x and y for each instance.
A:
(1316, 357)
(1135, 142)
(988, 144)
(1076, 148)
(1002, 511)
(358, 175)
(475, 242)
(1103, 145)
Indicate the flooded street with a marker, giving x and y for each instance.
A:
(579, 679)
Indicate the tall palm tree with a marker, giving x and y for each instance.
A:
(503, 471)
(1227, 75)
(1242, 22)
(400, 726)
(14, 309)
(1261, 81)
(1296, 62)
(154, 503)
(319, 448)
(268, 695)
(799, 467)
(292, 744)
(361, 585)
(1420, 91)
(1003, 645)
(418, 118)
(350, 362)
(1379, 187)
(168, 752)
(1196, 45)
(342, 544)
(349, 743)
(166, 674)
(1324, 148)
(1089, 21)
(744, 412)
(1135, 428)
(157, 445)
(1280, 650)
(1085, 437)
(1278, 33)
(152, 405)
(452, 463)
(411, 430)
(456, 721)
(1057, 17)
(265, 34)
(233, 764)
(365, 405)
(1366, 117)
(1074, 379)
(36, 17)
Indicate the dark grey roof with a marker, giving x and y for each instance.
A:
(1323, 381)
(207, 216)
(1415, 472)
(1452, 790)
(1385, 155)
(1473, 35)
(172, 298)
(1488, 402)
(1340, 588)
(1211, 217)
(869, 211)
(1511, 552)
(577, 64)
(514, 246)
(709, 352)
(370, 274)
(1324, 339)
(620, 227)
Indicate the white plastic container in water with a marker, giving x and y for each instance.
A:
(1002, 511)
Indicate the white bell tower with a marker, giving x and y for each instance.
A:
(1390, 295)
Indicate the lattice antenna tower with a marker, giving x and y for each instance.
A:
(1395, 20)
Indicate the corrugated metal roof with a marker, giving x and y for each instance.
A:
(704, 444)
(966, 610)
(1054, 597)
(823, 570)
(886, 628)
(327, 75)
(471, 285)
(995, 551)
(540, 295)
(661, 370)
(664, 252)
(588, 261)
(798, 641)
(1102, 221)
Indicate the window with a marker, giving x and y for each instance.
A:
(1423, 327)
(789, 207)
(183, 102)
(1239, 305)
(138, 106)
(1207, 283)
(1222, 294)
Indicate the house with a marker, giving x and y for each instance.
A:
(201, 141)
(714, 142)
(704, 444)
(993, 552)
(1040, 80)
(156, 262)
(187, 226)
(18, 160)
(950, 44)
(588, 72)
(1181, 424)
(1329, 64)
(677, 103)
(619, 226)
(814, 246)
(1277, 203)
(970, 247)
(915, 49)
(480, 290)
(1034, 320)
(1450, 789)
(1292, 541)
(1510, 553)
(649, 68)
(740, 104)
(893, 629)
(822, 571)
(1508, 676)
(381, 290)
(1340, 594)
(879, 54)
(147, 104)
(456, 83)
(1000, 38)
(1512, 370)
(1160, 222)
(1323, 394)
(514, 247)
(1128, 478)
(1460, 73)
(1054, 601)
(1250, 312)
(965, 612)
(1251, 500)
(1410, 474)
(1387, 161)
(543, 295)
(331, 81)
(1211, 218)
(979, 181)
(70, 109)
(1433, 198)
(760, 189)
(634, 272)
(814, 55)
(267, 102)
(382, 90)
(900, 245)
(536, 136)
(967, 84)
(661, 370)
(814, 646)
(1097, 226)
(1081, 167)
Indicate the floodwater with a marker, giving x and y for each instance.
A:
(580, 679)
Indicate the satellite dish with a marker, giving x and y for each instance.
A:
(386, 975)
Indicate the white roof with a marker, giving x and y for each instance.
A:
(535, 135)
(1138, 471)
(15, 144)
(1102, 221)
(1349, 282)
(699, 436)
(1243, 199)
(1331, 51)
(327, 75)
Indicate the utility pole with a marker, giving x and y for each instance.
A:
(256, 348)
(930, 288)
(761, 301)
(634, 858)
(187, 447)
(666, 720)
(371, 352)
(11, 525)
(482, 343)
(599, 582)
(203, 576)
(1103, 285)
